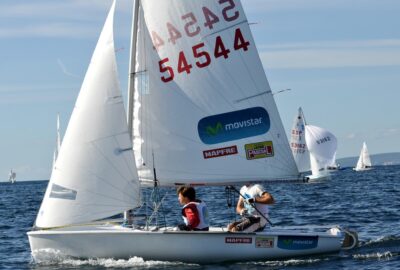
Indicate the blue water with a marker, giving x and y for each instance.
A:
(368, 202)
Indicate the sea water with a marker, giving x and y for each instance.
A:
(368, 202)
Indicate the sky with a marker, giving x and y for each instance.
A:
(341, 60)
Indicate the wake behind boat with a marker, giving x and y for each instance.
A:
(203, 114)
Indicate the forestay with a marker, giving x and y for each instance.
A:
(204, 112)
(94, 176)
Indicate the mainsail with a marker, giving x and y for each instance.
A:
(298, 143)
(94, 177)
(364, 161)
(204, 112)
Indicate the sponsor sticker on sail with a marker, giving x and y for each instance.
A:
(234, 125)
(220, 152)
(259, 150)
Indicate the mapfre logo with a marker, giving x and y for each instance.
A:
(233, 125)
(220, 152)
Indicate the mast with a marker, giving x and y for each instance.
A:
(302, 115)
(131, 85)
(132, 65)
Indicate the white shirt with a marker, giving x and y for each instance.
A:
(254, 191)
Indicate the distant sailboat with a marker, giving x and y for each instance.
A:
(364, 161)
(322, 145)
(313, 148)
(298, 143)
(333, 166)
(12, 176)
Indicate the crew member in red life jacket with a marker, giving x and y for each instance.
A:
(194, 212)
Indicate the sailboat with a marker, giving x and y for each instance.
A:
(298, 143)
(322, 145)
(364, 161)
(203, 114)
(12, 177)
(313, 148)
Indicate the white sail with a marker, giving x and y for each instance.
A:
(95, 176)
(298, 143)
(322, 145)
(12, 176)
(204, 112)
(364, 161)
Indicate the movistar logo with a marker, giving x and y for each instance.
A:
(212, 131)
(287, 242)
(233, 125)
(297, 242)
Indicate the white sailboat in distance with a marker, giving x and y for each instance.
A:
(322, 145)
(298, 143)
(203, 114)
(12, 177)
(364, 161)
(314, 148)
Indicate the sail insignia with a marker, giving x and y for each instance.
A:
(60, 192)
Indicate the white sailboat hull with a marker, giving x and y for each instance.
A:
(362, 169)
(318, 177)
(214, 246)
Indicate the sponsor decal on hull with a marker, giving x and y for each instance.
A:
(220, 152)
(234, 125)
(297, 242)
(264, 242)
(259, 150)
(238, 240)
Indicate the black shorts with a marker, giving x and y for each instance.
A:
(247, 222)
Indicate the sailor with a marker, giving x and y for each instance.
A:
(253, 207)
(194, 212)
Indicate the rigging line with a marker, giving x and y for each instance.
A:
(158, 205)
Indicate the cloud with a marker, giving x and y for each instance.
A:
(387, 133)
(350, 136)
(367, 53)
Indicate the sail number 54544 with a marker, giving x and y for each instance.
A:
(203, 57)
